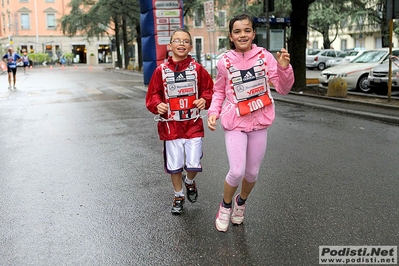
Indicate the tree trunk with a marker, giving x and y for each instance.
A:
(298, 42)
(118, 41)
(125, 41)
(139, 46)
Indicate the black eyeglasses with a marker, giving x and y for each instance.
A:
(178, 41)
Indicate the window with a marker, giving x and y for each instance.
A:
(4, 23)
(378, 43)
(222, 19)
(49, 50)
(25, 21)
(223, 43)
(50, 21)
(196, 52)
(58, 51)
(9, 21)
(197, 19)
(330, 54)
(344, 45)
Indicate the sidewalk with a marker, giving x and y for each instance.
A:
(378, 112)
(385, 113)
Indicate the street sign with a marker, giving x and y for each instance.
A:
(209, 16)
(392, 9)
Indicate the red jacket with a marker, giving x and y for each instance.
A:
(188, 129)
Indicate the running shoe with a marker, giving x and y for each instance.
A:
(177, 205)
(15, 87)
(223, 218)
(191, 190)
(237, 217)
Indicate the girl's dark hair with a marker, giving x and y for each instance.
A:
(237, 18)
(183, 30)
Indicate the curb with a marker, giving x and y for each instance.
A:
(367, 115)
(312, 81)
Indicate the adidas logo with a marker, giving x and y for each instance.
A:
(180, 77)
(248, 76)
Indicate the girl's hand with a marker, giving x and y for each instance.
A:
(162, 108)
(283, 58)
(212, 122)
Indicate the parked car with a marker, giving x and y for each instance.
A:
(350, 55)
(337, 60)
(317, 58)
(356, 72)
(378, 77)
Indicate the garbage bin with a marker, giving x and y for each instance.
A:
(131, 64)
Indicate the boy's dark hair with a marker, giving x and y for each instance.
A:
(237, 18)
(183, 30)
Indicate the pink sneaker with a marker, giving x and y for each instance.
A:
(222, 218)
(237, 217)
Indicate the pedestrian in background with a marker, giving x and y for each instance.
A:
(179, 89)
(11, 59)
(243, 101)
(25, 59)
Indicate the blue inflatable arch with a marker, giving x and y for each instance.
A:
(158, 19)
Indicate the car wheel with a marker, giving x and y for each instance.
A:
(362, 84)
(321, 66)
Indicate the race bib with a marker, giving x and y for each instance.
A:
(248, 106)
(182, 103)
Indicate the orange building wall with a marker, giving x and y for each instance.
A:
(37, 10)
(39, 38)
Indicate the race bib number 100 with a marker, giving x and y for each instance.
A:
(251, 105)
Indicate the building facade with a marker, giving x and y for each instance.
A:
(32, 25)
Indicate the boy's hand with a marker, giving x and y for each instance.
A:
(200, 103)
(162, 108)
(212, 122)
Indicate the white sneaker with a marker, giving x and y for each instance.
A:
(15, 87)
(223, 218)
(9, 87)
(237, 217)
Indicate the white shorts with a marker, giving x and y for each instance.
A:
(183, 153)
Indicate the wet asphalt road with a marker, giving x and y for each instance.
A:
(82, 183)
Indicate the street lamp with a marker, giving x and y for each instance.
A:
(266, 10)
(36, 22)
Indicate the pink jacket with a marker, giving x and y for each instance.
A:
(282, 79)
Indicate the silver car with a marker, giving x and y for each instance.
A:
(340, 59)
(378, 77)
(356, 72)
(317, 58)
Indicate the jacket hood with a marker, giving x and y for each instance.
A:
(239, 56)
(180, 65)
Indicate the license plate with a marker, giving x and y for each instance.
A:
(377, 80)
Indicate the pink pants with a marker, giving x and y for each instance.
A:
(245, 151)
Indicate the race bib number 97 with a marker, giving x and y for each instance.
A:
(182, 103)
